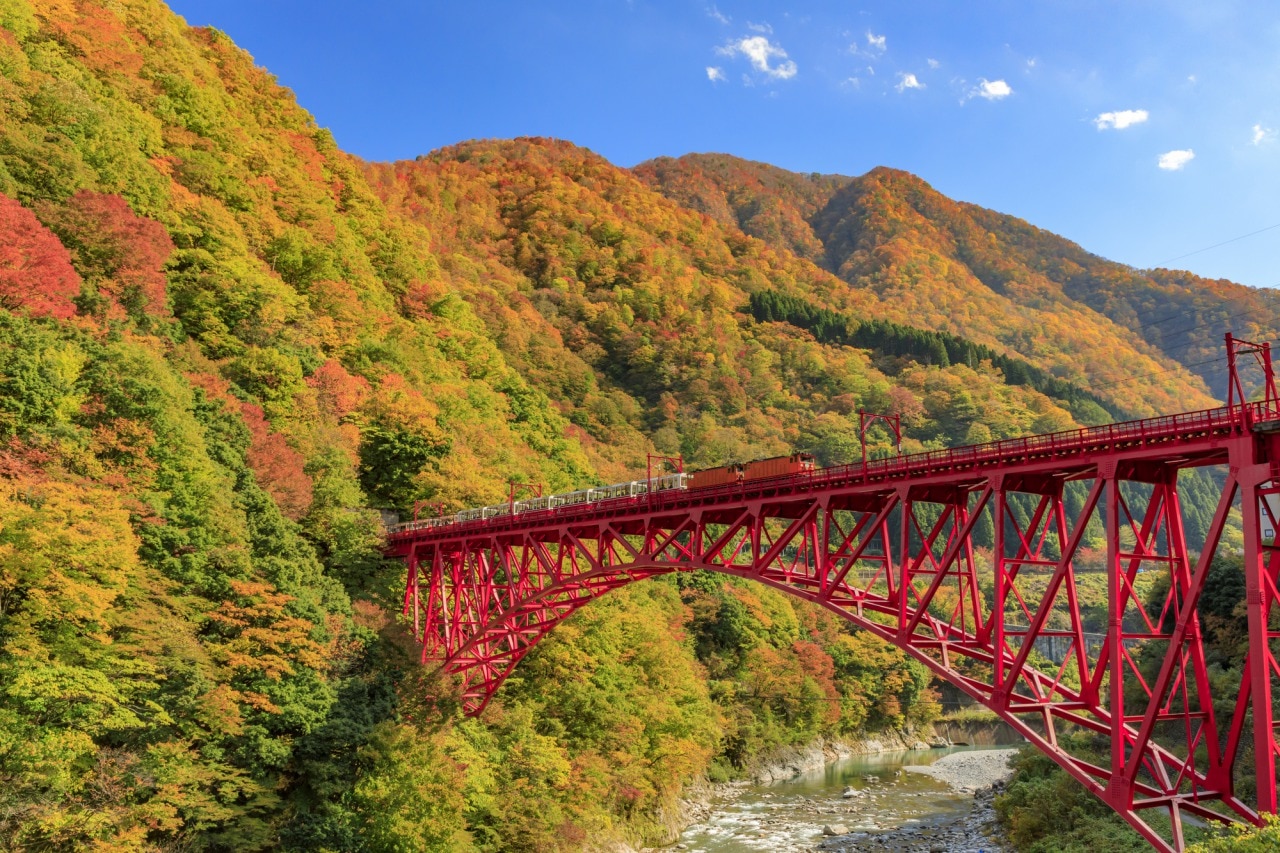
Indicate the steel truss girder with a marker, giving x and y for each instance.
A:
(898, 559)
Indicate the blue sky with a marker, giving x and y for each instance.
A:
(1145, 131)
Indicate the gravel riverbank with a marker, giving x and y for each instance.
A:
(969, 771)
(975, 831)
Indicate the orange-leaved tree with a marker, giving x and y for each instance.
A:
(35, 269)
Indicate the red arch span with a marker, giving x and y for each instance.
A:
(889, 547)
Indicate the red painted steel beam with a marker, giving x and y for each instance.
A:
(851, 540)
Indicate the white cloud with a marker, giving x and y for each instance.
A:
(992, 90)
(1121, 119)
(1172, 161)
(933, 63)
(1191, 78)
(1263, 134)
(1031, 63)
(714, 74)
(716, 15)
(760, 28)
(876, 42)
(759, 51)
(908, 81)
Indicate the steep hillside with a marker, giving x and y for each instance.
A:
(219, 349)
(990, 277)
(654, 299)
(225, 344)
(764, 201)
(205, 382)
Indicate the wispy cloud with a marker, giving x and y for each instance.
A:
(933, 63)
(876, 43)
(1173, 161)
(1121, 119)
(908, 81)
(716, 15)
(766, 57)
(1263, 135)
(714, 74)
(992, 90)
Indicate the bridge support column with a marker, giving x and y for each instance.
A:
(1261, 560)
(1118, 794)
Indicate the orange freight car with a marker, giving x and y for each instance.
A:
(778, 466)
(736, 472)
(731, 473)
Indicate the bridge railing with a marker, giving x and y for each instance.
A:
(1067, 443)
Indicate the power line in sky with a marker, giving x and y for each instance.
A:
(1223, 243)
(1129, 379)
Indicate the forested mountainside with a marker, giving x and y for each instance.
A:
(225, 344)
(975, 272)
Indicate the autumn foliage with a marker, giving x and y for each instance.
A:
(340, 392)
(278, 467)
(35, 269)
(122, 253)
(271, 341)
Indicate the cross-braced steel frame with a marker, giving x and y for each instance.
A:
(890, 547)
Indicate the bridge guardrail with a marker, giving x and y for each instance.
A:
(1222, 421)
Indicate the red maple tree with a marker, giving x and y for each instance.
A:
(278, 467)
(339, 392)
(121, 252)
(35, 269)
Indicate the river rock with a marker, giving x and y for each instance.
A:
(835, 829)
(851, 792)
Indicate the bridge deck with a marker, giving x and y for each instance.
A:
(1198, 435)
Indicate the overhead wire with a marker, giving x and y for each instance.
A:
(1221, 358)
(1174, 351)
(1206, 323)
(1194, 308)
(1176, 316)
(1169, 353)
(1223, 243)
(1179, 314)
(1180, 367)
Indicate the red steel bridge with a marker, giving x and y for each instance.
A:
(888, 545)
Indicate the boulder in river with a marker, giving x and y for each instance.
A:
(835, 829)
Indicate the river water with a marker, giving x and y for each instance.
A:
(790, 816)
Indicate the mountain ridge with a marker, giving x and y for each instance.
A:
(1048, 267)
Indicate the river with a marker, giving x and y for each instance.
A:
(890, 809)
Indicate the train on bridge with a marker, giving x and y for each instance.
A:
(734, 472)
